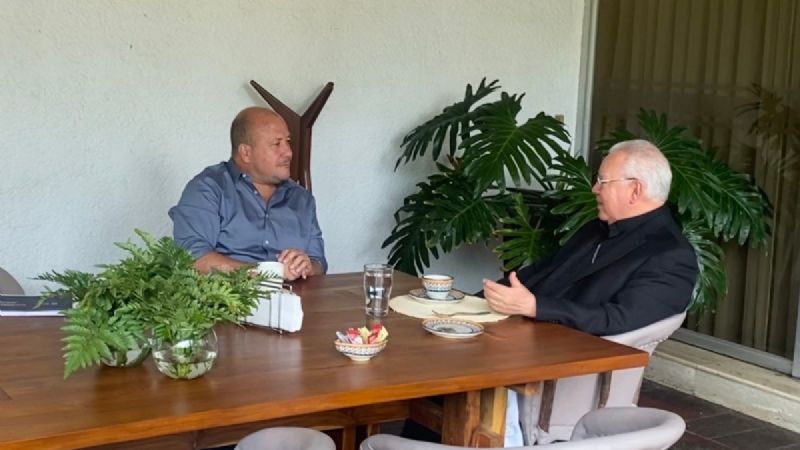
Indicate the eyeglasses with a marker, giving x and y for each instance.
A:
(603, 182)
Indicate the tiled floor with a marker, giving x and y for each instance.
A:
(710, 426)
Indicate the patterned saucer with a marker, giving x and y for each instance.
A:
(421, 296)
(452, 328)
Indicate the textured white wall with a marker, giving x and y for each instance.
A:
(107, 108)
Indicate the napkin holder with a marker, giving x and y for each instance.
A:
(281, 311)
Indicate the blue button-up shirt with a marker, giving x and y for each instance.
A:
(221, 210)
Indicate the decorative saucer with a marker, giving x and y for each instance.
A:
(452, 328)
(421, 295)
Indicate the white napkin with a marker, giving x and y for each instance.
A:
(282, 310)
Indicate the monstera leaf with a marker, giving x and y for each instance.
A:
(498, 145)
(523, 243)
(573, 193)
(454, 121)
(465, 201)
(711, 280)
(742, 207)
(410, 235)
(446, 212)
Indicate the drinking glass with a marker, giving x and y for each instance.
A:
(377, 288)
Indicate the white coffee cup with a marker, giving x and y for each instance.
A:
(437, 287)
(273, 268)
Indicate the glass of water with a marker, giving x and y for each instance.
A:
(377, 288)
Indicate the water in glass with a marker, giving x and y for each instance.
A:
(377, 288)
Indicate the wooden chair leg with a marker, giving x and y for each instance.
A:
(546, 404)
(604, 388)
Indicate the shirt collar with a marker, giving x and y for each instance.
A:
(237, 174)
(233, 169)
(624, 226)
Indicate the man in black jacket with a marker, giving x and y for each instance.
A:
(629, 268)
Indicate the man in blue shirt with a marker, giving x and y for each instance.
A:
(247, 210)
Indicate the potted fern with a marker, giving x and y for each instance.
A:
(185, 308)
(152, 297)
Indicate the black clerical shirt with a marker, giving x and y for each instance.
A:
(558, 282)
(612, 279)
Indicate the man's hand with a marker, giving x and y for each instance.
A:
(213, 261)
(514, 299)
(296, 264)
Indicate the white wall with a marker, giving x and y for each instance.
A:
(107, 108)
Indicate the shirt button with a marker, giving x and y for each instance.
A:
(255, 191)
(266, 242)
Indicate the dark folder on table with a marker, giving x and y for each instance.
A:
(26, 305)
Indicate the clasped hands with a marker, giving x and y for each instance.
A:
(296, 264)
(512, 299)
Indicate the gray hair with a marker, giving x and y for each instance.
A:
(646, 163)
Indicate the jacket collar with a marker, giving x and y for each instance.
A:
(624, 236)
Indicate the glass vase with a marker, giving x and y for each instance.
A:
(186, 359)
(131, 357)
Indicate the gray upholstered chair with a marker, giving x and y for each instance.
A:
(8, 285)
(629, 428)
(570, 398)
(286, 438)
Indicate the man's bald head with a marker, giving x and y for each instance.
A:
(243, 122)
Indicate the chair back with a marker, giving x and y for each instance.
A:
(575, 396)
(286, 438)
(647, 338)
(629, 428)
(8, 285)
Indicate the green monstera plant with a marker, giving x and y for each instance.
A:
(477, 147)
(469, 199)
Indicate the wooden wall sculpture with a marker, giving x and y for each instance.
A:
(300, 130)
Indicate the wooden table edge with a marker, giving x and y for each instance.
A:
(214, 418)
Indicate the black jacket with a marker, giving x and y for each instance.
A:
(644, 271)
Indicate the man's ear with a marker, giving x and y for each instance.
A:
(638, 191)
(245, 152)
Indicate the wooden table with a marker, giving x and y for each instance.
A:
(263, 378)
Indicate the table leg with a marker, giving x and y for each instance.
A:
(348, 438)
(476, 418)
